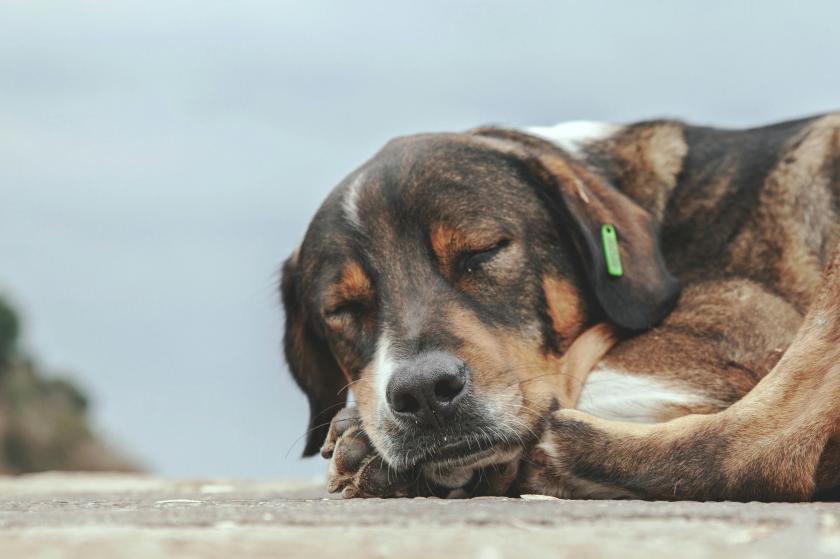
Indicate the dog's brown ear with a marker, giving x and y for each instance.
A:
(310, 361)
(646, 292)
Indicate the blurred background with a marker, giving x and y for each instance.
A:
(159, 160)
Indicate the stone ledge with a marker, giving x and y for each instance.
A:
(106, 516)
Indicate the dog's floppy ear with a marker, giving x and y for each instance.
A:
(646, 292)
(311, 361)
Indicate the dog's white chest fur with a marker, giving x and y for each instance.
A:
(614, 394)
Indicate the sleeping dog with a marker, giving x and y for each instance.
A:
(585, 310)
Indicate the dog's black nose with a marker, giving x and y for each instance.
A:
(428, 389)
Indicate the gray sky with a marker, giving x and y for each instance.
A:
(158, 160)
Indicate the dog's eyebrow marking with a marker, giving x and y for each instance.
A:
(614, 394)
(573, 136)
(383, 369)
(354, 281)
(351, 200)
(352, 284)
(447, 242)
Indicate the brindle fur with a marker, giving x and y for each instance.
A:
(779, 442)
(745, 219)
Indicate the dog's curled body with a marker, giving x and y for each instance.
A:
(457, 284)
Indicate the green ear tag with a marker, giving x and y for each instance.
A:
(611, 255)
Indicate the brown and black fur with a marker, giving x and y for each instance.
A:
(725, 236)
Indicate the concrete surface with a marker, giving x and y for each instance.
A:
(108, 516)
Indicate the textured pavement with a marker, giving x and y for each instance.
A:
(105, 516)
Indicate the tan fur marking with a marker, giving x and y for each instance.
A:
(482, 349)
(448, 242)
(563, 302)
(509, 367)
(581, 357)
(542, 377)
(443, 239)
(354, 280)
(352, 285)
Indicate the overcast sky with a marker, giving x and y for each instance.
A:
(158, 160)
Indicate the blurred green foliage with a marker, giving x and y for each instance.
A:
(9, 329)
(43, 420)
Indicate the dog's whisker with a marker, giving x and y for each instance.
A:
(347, 386)
(313, 429)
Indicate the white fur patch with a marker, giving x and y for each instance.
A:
(616, 395)
(573, 136)
(351, 199)
(383, 369)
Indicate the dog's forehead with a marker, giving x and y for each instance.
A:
(411, 163)
(409, 187)
(418, 179)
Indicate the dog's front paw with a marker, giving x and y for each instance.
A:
(356, 469)
(565, 463)
(538, 473)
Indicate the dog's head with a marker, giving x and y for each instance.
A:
(443, 281)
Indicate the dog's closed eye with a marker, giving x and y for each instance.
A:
(469, 261)
(349, 298)
(344, 309)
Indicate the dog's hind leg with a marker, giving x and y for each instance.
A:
(776, 443)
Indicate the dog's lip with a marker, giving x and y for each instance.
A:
(461, 451)
(462, 460)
